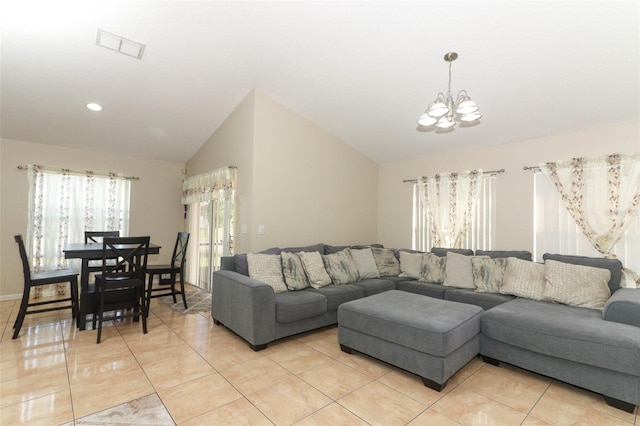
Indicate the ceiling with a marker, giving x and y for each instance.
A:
(363, 71)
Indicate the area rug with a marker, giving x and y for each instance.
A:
(197, 301)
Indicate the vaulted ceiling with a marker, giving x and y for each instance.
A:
(364, 71)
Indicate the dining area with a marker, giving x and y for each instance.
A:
(116, 280)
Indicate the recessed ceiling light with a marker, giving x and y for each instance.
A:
(119, 44)
(94, 107)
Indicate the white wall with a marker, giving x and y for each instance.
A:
(155, 198)
(514, 188)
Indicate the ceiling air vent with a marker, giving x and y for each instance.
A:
(119, 44)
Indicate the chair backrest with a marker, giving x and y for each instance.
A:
(98, 236)
(179, 256)
(131, 254)
(26, 269)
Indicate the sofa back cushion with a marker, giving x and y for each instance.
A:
(613, 265)
(497, 254)
(442, 251)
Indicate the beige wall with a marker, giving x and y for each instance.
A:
(155, 198)
(303, 184)
(309, 186)
(514, 215)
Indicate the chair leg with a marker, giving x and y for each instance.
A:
(173, 288)
(148, 294)
(75, 309)
(100, 295)
(184, 296)
(22, 312)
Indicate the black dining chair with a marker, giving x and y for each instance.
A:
(168, 274)
(121, 285)
(97, 237)
(32, 280)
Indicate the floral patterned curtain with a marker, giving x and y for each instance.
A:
(216, 184)
(63, 204)
(601, 194)
(449, 200)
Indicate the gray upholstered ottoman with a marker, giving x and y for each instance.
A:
(429, 337)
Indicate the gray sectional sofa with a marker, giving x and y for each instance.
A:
(594, 349)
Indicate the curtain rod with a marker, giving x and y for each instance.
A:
(80, 172)
(489, 172)
(534, 168)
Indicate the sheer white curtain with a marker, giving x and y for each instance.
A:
(210, 205)
(449, 202)
(602, 195)
(64, 204)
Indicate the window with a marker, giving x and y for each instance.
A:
(555, 231)
(64, 204)
(482, 231)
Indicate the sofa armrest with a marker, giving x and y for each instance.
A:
(624, 307)
(244, 305)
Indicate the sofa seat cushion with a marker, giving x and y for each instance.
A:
(422, 323)
(485, 300)
(297, 305)
(575, 334)
(375, 285)
(420, 287)
(338, 294)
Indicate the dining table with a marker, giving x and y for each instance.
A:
(87, 252)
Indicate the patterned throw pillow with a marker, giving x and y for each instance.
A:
(488, 274)
(386, 261)
(341, 267)
(576, 285)
(314, 267)
(294, 276)
(410, 264)
(366, 263)
(459, 272)
(268, 269)
(524, 279)
(433, 268)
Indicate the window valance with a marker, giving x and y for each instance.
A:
(216, 184)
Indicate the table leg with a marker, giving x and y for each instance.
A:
(84, 295)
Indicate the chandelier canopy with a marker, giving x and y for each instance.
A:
(444, 112)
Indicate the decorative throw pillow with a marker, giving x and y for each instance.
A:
(314, 267)
(294, 276)
(576, 285)
(386, 262)
(366, 263)
(458, 271)
(524, 279)
(433, 268)
(268, 269)
(341, 267)
(488, 274)
(410, 264)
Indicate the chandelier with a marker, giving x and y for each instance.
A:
(444, 112)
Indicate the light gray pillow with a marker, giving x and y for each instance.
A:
(268, 269)
(341, 267)
(488, 274)
(314, 268)
(294, 276)
(386, 261)
(459, 271)
(524, 279)
(366, 263)
(410, 264)
(576, 285)
(433, 268)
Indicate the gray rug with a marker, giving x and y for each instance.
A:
(197, 301)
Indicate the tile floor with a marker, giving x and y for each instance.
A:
(187, 371)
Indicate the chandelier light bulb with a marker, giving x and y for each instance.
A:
(444, 112)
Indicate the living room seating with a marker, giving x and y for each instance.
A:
(581, 327)
(33, 280)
